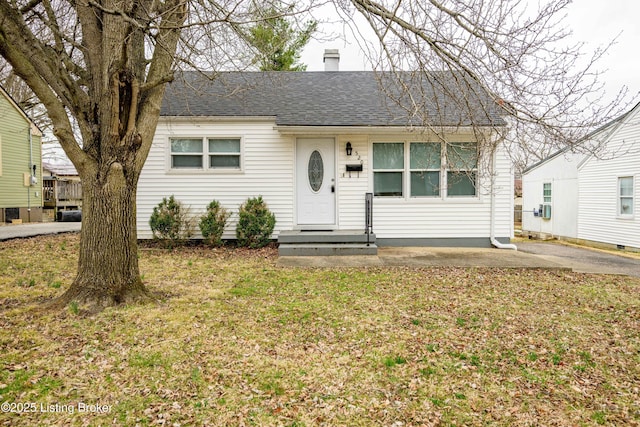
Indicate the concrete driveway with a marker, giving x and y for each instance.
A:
(427, 257)
(583, 260)
(15, 231)
(529, 255)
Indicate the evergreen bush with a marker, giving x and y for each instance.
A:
(213, 222)
(255, 223)
(170, 222)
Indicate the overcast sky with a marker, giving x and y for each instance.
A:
(595, 22)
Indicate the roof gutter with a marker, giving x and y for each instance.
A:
(365, 130)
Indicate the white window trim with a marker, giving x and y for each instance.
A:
(447, 169)
(619, 197)
(403, 170)
(406, 173)
(205, 170)
(441, 171)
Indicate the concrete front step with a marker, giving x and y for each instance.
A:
(336, 236)
(326, 249)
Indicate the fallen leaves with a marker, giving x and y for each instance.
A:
(240, 341)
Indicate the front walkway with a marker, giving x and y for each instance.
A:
(428, 257)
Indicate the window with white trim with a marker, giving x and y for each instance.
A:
(206, 153)
(546, 192)
(462, 164)
(224, 153)
(625, 195)
(388, 169)
(424, 165)
(419, 168)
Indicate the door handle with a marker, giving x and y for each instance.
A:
(333, 188)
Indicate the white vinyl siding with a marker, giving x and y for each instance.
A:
(446, 217)
(561, 173)
(267, 162)
(599, 188)
(268, 159)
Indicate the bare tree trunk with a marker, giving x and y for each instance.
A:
(108, 272)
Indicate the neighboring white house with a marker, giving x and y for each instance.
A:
(589, 197)
(314, 143)
(550, 196)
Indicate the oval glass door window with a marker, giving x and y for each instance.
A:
(316, 171)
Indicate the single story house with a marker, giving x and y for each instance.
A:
(314, 144)
(589, 195)
(20, 164)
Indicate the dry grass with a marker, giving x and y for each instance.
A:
(240, 341)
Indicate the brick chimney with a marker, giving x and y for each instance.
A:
(331, 60)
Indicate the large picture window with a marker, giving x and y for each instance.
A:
(206, 154)
(419, 169)
(625, 195)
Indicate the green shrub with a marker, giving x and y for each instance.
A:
(255, 223)
(170, 222)
(212, 224)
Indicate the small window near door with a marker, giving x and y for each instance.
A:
(625, 196)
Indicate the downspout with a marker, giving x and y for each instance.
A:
(492, 225)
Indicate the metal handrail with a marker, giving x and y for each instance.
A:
(368, 216)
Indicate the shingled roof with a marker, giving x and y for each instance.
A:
(342, 98)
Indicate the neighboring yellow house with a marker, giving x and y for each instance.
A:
(20, 164)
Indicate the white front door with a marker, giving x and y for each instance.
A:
(315, 182)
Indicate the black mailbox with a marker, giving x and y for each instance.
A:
(354, 168)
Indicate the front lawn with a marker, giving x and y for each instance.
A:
(237, 340)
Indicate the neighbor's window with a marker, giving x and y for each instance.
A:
(206, 154)
(546, 192)
(425, 162)
(625, 195)
(388, 169)
(462, 164)
(186, 153)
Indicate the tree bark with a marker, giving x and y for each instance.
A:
(108, 272)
